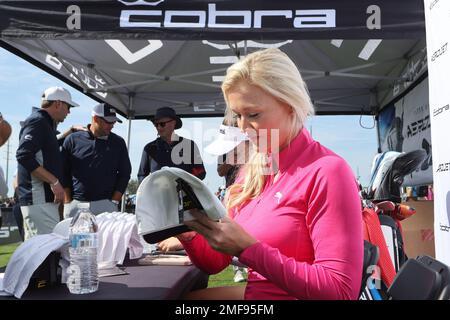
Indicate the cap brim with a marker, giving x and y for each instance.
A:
(112, 119)
(219, 147)
(73, 104)
(158, 236)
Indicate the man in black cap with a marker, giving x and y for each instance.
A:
(97, 167)
(169, 149)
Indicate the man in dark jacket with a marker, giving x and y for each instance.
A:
(97, 167)
(169, 149)
(40, 165)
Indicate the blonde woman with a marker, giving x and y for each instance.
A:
(294, 211)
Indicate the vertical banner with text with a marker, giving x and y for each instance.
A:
(437, 21)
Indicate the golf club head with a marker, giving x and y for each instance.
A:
(403, 164)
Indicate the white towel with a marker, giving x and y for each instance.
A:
(26, 259)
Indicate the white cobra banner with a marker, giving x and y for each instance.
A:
(437, 21)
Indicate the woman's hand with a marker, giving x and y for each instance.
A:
(225, 235)
(170, 244)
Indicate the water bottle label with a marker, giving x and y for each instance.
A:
(87, 240)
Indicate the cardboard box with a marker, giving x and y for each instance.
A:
(418, 230)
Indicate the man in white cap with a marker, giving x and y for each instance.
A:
(40, 168)
(97, 167)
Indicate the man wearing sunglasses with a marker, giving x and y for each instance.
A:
(97, 167)
(169, 149)
(40, 169)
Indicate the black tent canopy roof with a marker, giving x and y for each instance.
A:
(349, 68)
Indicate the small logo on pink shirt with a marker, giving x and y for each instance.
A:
(278, 195)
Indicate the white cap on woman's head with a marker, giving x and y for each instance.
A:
(227, 139)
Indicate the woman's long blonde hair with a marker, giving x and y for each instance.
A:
(275, 73)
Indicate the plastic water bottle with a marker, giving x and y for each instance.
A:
(83, 270)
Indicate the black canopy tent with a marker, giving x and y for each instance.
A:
(349, 52)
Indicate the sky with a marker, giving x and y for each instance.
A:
(21, 85)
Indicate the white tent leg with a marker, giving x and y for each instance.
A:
(130, 119)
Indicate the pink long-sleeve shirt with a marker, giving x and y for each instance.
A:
(308, 224)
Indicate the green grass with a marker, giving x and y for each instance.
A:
(224, 278)
(6, 251)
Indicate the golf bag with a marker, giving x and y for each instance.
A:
(382, 213)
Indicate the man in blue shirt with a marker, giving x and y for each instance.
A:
(39, 169)
(97, 167)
